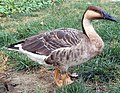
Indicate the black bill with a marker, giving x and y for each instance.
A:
(109, 17)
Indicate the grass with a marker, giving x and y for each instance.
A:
(8, 7)
(78, 87)
(99, 74)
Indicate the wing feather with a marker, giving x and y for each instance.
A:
(47, 42)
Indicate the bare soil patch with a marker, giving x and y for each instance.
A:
(18, 82)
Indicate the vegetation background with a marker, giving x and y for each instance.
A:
(20, 19)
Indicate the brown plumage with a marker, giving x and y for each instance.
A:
(66, 47)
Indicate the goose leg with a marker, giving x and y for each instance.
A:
(62, 79)
(57, 77)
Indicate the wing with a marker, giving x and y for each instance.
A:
(45, 43)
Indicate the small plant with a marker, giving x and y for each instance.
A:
(8, 7)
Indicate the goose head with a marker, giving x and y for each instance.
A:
(94, 12)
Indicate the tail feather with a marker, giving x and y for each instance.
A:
(14, 46)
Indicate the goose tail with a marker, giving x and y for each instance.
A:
(15, 46)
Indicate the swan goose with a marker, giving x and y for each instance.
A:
(65, 47)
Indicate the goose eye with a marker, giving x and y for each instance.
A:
(95, 10)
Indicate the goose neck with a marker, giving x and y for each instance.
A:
(94, 38)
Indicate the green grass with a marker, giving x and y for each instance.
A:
(8, 7)
(103, 70)
(77, 87)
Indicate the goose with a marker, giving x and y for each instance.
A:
(65, 47)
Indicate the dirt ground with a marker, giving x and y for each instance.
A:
(40, 79)
(18, 82)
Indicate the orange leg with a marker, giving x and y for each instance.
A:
(57, 77)
(62, 79)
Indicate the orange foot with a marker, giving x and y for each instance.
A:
(62, 79)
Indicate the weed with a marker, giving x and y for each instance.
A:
(9, 7)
